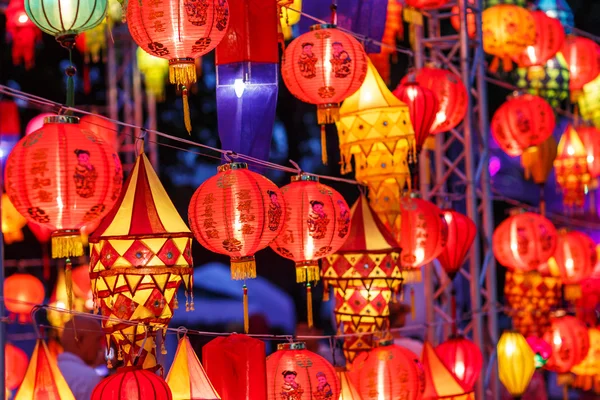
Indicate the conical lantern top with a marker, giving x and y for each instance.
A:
(439, 381)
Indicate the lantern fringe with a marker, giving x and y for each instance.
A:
(182, 72)
(246, 315)
(69, 283)
(328, 113)
(186, 111)
(309, 306)
(64, 246)
(323, 145)
(307, 273)
(243, 268)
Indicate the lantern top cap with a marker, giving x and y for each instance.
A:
(184, 60)
(61, 119)
(322, 26)
(232, 166)
(305, 177)
(292, 346)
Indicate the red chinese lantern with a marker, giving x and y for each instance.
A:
(461, 234)
(583, 58)
(462, 358)
(296, 373)
(440, 382)
(590, 136)
(550, 36)
(23, 33)
(451, 94)
(575, 256)
(521, 122)
(16, 362)
(181, 33)
(63, 177)
(423, 107)
(524, 241)
(103, 128)
(324, 67)
(456, 21)
(22, 293)
(426, 4)
(132, 383)
(570, 343)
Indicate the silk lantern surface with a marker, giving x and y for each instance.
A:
(575, 256)
(236, 366)
(294, 373)
(589, 102)
(516, 364)
(103, 128)
(16, 362)
(462, 358)
(423, 106)
(461, 234)
(583, 58)
(132, 384)
(550, 36)
(22, 293)
(23, 34)
(570, 343)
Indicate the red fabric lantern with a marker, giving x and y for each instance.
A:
(426, 4)
(23, 292)
(294, 373)
(521, 122)
(590, 136)
(583, 58)
(37, 122)
(63, 177)
(461, 234)
(550, 36)
(103, 128)
(16, 362)
(237, 213)
(23, 33)
(423, 106)
(451, 94)
(131, 383)
(236, 366)
(524, 241)
(570, 343)
(575, 256)
(462, 358)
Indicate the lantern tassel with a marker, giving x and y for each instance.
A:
(186, 110)
(69, 283)
(494, 65)
(307, 273)
(413, 309)
(325, 290)
(67, 244)
(309, 306)
(323, 145)
(243, 268)
(246, 315)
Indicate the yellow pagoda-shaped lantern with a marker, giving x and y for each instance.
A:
(140, 254)
(571, 168)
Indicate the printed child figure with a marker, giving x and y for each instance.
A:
(291, 390)
(85, 175)
(341, 61)
(324, 391)
(317, 220)
(307, 61)
(275, 212)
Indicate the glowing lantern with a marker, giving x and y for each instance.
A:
(590, 365)
(589, 102)
(132, 384)
(347, 389)
(37, 122)
(542, 350)
(394, 30)
(550, 81)
(12, 222)
(103, 128)
(423, 106)
(289, 15)
(570, 343)
(571, 168)
(178, 34)
(324, 67)
(538, 161)
(155, 71)
(22, 293)
(463, 359)
(140, 254)
(516, 364)
(550, 37)
(440, 382)
(575, 256)
(590, 137)
(456, 21)
(583, 58)
(297, 373)
(461, 234)
(450, 92)
(426, 4)
(63, 177)
(524, 241)
(23, 34)
(16, 361)
(558, 9)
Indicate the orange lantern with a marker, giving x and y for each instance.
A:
(15, 361)
(583, 58)
(440, 381)
(103, 128)
(521, 122)
(451, 94)
(461, 234)
(570, 343)
(571, 168)
(550, 36)
(507, 31)
(22, 293)
(63, 177)
(575, 256)
(463, 359)
(179, 33)
(590, 137)
(294, 373)
(426, 4)
(524, 241)
(12, 222)
(423, 106)
(132, 383)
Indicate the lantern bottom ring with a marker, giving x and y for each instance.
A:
(182, 71)
(243, 268)
(66, 39)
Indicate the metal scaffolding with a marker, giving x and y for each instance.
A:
(460, 165)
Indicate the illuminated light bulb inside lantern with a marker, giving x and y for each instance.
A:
(556, 339)
(531, 54)
(60, 305)
(552, 14)
(89, 304)
(381, 375)
(239, 86)
(328, 66)
(570, 151)
(440, 117)
(308, 249)
(510, 348)
(23, 18)
(590, 158)
(69, 9)
(459, 370)
(420, 255)
(412, 93)
(569, 266)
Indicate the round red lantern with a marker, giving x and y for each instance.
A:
(570, 343)
(22, 293)
(426, 4)
(575, 256)
(376, 373)
(237, 213)
(462, 358)
(524, 241)
(37, 122)
(521, 122)
(450, 93)
(317, 222)
(23, 33)
(132, 383)
(423, 107)
(461, 234)
(63, 177)
(423, 231)
(103, 128)
(16, 362)
(550, 36)
(296, 373)
(583, 58)
(590, 136)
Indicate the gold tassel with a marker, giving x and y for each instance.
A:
(328, 113)
(307, 273)
(309, 307)
(186, 110)
(69, 283)
(67, 245)
(175, 302)
(413, 309)
(325, 290)
(192, 308)
(243, 268)
(323, 145)
(182, 71)
(163, 348)
(246, 315)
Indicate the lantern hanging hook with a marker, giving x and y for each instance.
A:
(182, 330)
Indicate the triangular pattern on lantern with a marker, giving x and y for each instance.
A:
(439, 381)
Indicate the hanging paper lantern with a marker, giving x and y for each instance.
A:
(590, 137)
(538, 161)
(560, 10)
(590, 366)
(103, 128)
(516, 364)
(550, 37)
(450, 92)
(551, 81)
(376, 373)
(155, 71)
(132, 384)
(178, 34)
(394, 30)
(462, 358)
(471, 24)
(570, 343)
(297, 373)
(571, 168)
(461, 234)
(583, 59)
(575, 256)
(426, 4)
(524, 241)
(23, 33)
(423, 106)
(140, 254)
(440, 381)
(22, 293)
(347, 389)
(63, 177)
(15, 361)
(12, 222)
(542, 350)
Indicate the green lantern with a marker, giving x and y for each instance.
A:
(550, 81)
(589, 102)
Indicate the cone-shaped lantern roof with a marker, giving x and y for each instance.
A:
(571, 145)
(187, 379)
(43, 379)
(348, 391)
(439, 381)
